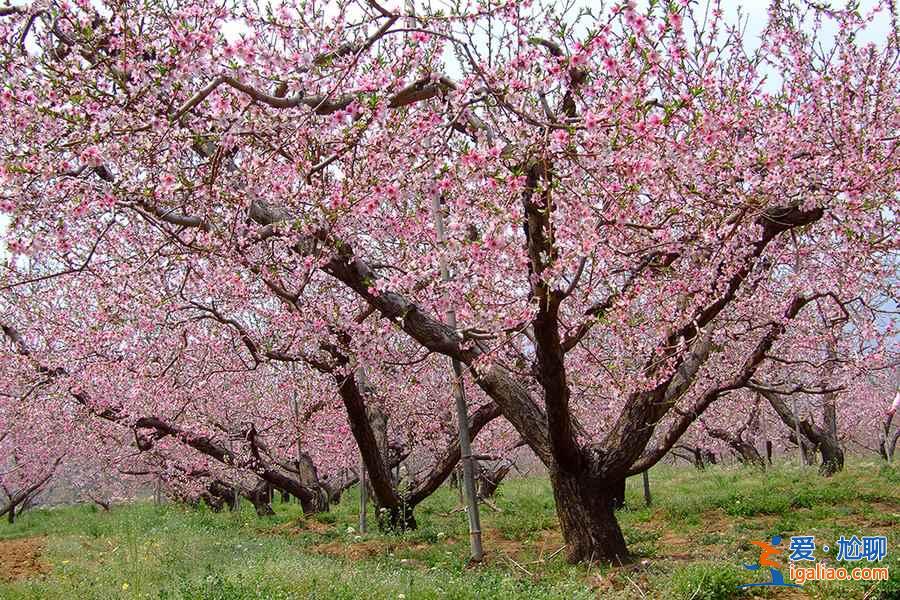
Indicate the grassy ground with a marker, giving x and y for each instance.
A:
(689, 545)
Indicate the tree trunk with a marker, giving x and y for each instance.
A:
(587, 518)
(749, 455)
(259, 497)
(886, 444)
(618, 499)
(316, 503)
(369, 429)
(264, 509)
(832, 457)
(832, 453)
(396, 518)
(648, 500)
(820, 438)
(11, 514)
(489, 478)
(698, 459)
(104, 504)
(745, 452)
(807, 449)
(224, 493)
(892, 446)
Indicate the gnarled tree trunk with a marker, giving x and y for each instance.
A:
(586, 512)
(821, 438)
(746, 452)
(489, 478)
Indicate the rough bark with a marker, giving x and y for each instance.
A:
(367, 426)
(586, 515)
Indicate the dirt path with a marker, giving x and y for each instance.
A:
(20, 558)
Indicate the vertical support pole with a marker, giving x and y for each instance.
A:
(459, 394)
(646, 477)
(295, 406)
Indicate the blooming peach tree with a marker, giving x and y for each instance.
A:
(640, 208)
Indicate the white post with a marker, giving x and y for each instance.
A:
(459, 394)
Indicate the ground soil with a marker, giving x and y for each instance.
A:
(20, 558)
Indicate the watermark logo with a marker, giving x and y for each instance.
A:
(804, 567)
(768, 550)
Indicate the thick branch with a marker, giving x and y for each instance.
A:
(644, 409)
(748, 369)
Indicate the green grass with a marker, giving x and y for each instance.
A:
(689, 544)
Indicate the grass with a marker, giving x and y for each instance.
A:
(689, 545)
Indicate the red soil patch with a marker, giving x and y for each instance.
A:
(547, 544)
(366, 548)
(19, 559)
(302, 526)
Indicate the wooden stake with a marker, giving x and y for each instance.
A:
(462, 415)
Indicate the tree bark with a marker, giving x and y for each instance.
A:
(259, 497)
(587, 518)
(832, 456)
(891, 447)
